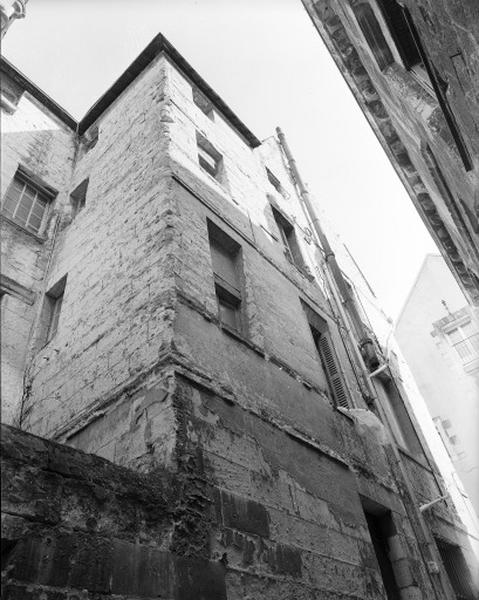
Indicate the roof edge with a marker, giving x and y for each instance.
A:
(28, 85)
(158, 45)
(424, 262)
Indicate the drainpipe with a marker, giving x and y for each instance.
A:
(338, 284)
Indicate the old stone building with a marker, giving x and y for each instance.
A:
(208, 418)
(413, 67)
(439, 335)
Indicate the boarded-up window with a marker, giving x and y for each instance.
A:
(208, 157)
(226, 263)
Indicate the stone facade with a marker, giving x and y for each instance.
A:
(413, 67)
(439, 336)
(270, 473)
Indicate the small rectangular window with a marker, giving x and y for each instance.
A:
(78, 197)
(226, 263)
(288, 238)
(275, 182)
(329, 361)
(26, 202)
(373, 34)
(203, 103)
(52, 309)
(397, 21)
(208, 157)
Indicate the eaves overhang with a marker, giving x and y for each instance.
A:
(44, 99)
(157, 46)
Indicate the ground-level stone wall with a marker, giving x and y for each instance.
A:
(76, 526)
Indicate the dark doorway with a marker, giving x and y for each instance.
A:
(381, 527)
(457, 570)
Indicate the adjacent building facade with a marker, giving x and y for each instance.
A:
(168, 308)
(413, 68)
(438, 333)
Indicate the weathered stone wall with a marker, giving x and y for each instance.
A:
(76, 526)
(33, 138)
(407, 116)
(117, 255)
(268, 477)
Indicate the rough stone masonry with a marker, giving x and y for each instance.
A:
(194, 424)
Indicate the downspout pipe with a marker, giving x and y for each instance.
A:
(330, 257)
(349, 309)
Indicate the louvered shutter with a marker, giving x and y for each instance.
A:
(333, 374)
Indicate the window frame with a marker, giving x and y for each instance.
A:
(320, 330)
(78, 197)
(288, 237)
(42, 192)
(209, 159)
(473, 347)
(228, 293)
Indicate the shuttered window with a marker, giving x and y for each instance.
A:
(328, 358)
(26, 203)
(330, 365)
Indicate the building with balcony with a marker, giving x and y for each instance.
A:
(413, 68)
(190, 378)
(438, 333)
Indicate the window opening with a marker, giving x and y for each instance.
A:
(78, 197)
(381, 528)
(208, 157)
(397, 21)
(275, 182)
(26, 202)
(440, 89)
(288, 238)
(373, 34)
(226, 263)
(465, 341)
(328, 359)
(203, 103)
(52, 308)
